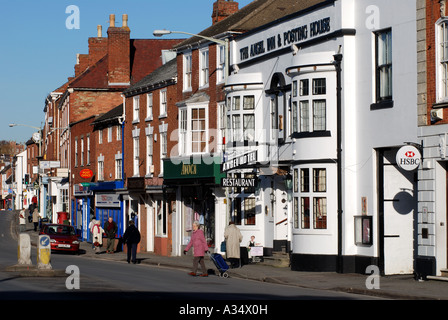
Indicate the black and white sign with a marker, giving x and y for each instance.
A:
(239, 182)
(239, 161)
(408, 158)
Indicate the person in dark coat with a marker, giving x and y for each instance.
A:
(132, 238)
(110, 228)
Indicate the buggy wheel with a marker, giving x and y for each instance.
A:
(225, 275)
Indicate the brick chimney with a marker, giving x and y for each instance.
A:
(222, 9)
(118, 49)
(97, 47)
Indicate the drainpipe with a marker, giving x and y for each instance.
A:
(337, 64)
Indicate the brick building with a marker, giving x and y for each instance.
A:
(151, 122)
(113, 64)
(432, 95)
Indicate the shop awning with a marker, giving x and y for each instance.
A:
(199, 167)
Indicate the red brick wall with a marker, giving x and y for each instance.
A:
(108, 150)
(432, 15)
(84, 104)
(81, 130)
(222, 9)
(119, 55)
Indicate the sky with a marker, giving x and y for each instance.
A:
(41, 38)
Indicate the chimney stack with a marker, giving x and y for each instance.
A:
(222, 9)
(119, 52)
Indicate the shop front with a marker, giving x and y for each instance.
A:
(199, 197)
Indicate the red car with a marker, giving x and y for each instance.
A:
(62, 237)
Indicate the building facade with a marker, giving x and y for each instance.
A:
(325, 86)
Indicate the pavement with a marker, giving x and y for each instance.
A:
(402, 287)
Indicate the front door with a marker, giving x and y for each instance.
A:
(400, 205)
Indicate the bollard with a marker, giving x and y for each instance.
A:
(44, 253)
(24, 249)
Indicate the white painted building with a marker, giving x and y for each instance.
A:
(330, 190)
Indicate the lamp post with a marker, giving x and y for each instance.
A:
(37, 136)
(225, 43)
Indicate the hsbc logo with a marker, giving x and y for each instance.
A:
(408, 158)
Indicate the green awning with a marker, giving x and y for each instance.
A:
(193, 168)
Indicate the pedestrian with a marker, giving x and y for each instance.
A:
(110, 228)
(22, 220)
(91, 225)
(200, 247)
(132, 238)
(35, 218)
(233, 238)
(97, 236)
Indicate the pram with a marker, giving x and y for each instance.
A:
(220, 264)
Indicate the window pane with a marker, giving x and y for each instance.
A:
(305, 212)
(249, 127)
(237, 211)
(319, 180)
(320, 86)
(296, 212)
(320, 213)
(304, 116)
(249, 103)
(304, 87)
(236, 103)
(304, 180)
(249, 211)
(319, 115)
(295, 115)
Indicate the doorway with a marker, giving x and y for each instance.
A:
(397, 196)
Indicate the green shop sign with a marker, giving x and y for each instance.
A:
(193, 168)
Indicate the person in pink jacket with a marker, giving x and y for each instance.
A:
(200, 247)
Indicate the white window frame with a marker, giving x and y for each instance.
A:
(186, 136)
(136, 109)
(441, 39)
(204, 67)
(187, 71)
(149, 105)
(109, 134)
(101, 168)
(220, 63)
(163, 103)
(82, 152)
(149, 154)
(118, 166)
(118, 132)
(88, 150)
(136, 155)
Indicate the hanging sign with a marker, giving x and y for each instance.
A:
(408, 158)
(86, 173)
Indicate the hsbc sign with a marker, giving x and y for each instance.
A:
(408, 158)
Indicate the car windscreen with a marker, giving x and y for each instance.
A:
(61, 230)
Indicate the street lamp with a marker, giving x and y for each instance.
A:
(225, 43)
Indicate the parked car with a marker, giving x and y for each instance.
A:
(62, 237)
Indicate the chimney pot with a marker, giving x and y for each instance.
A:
(112, 20)
(125, 20)
(100, 31)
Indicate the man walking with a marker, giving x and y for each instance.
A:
(132, 237)
(110, 228)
